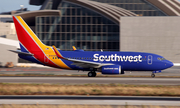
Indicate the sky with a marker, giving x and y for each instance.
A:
(9, 5)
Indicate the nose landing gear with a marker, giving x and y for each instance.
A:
(92, 74)
(153, 73)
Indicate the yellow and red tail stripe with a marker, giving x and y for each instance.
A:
(32, 43)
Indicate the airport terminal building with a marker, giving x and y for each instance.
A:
(111, 25)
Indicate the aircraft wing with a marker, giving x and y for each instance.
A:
(81, 63)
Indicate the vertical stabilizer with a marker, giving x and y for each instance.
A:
(30, 43)
(27, 38)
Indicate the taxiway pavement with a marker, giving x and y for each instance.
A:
(91, 100)
(174, 71)
(95, 80)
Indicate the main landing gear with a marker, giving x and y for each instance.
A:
(92, 74)
(153, 75)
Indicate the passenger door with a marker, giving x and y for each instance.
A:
(150, 59)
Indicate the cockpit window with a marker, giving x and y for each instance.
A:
(161, 58)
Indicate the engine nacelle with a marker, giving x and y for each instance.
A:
(111, 69)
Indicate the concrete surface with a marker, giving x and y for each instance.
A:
(91, 100)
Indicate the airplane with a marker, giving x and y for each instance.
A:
(112, 63)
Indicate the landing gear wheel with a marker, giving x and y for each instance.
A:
(92, 74)
(152, 75)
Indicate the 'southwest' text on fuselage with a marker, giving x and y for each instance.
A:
(115, 57)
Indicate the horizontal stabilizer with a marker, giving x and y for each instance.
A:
(19, 52)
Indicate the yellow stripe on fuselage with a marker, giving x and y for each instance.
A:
(48, 51)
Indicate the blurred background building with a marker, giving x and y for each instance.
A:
(8, 37)
(88, 24)
(111, 25)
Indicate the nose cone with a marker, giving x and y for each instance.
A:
(169, 64)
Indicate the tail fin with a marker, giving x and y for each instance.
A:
(27, 38)
(31, 44)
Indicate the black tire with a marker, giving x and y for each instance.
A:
(153, 75)
(92, 74)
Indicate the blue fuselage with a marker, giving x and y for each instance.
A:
(129, 61)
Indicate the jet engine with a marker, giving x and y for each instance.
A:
(111, 69)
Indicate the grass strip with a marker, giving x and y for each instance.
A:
(89, 89)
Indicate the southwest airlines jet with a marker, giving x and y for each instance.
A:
(34, 50)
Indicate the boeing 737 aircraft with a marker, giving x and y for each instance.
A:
(34, 50)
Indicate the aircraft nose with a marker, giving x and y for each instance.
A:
(169, 64)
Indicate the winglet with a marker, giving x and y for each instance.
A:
(74, 48)
(57, 52)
